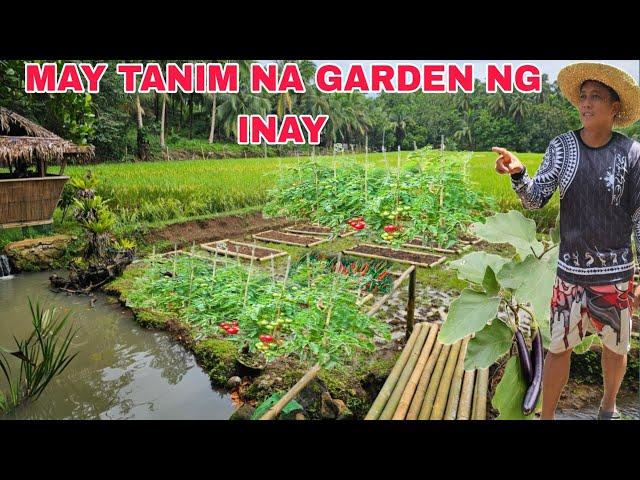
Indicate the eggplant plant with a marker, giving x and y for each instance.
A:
(507, 300)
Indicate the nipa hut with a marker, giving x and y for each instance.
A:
(28, 192)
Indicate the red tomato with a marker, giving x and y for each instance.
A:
(232, 330)
(390, 228)
(266, 338)
(359, 226)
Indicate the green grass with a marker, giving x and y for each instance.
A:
(482, 171)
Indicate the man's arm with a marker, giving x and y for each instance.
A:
(535, 192)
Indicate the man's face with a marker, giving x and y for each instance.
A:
(597, 107)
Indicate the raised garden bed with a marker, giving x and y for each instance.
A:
(289, 238)
(307, 229)
(420, 243)
(469, 239)
(402, 256)
(243, 250)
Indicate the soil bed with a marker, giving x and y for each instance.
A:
(242, 250)
(419, 243)
(289, 238)
(402, 256)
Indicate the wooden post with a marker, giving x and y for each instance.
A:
(411, 304)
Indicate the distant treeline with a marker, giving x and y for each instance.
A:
(127, 126)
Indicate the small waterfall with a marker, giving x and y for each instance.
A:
(5, 269)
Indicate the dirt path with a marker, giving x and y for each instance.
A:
(201, 231)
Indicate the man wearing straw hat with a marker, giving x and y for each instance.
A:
(598, 174)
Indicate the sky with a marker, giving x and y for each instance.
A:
(550, 67)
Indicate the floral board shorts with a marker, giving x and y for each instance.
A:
(605, 310)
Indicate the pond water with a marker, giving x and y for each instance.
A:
(122, 371)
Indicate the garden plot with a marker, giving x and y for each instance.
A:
(456, 248)
(242, 250)
(402, 256)
(298, 240)
(469, 239)
(308, 229)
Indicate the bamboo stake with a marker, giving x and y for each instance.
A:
(392, 403)
(430, 395)
(480, 398)
(412, 384)
(273, 412)
(421, 389)
(175, 250)
(466, 396)
(392, 379)
(246, 287)
(366, 166)
(440, 401)
(215, 265)
(456, 384)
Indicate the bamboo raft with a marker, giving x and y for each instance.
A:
(428, 382)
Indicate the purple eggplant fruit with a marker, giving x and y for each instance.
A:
(533, 392)
(525, 358)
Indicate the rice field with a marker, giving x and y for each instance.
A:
(166, 190)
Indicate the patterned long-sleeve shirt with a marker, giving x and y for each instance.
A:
(599, 205)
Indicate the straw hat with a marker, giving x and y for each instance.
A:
(571, 77)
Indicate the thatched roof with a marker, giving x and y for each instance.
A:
(22, 139)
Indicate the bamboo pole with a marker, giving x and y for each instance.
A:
(412, 384)
(466, 396)
(246, 287)
(364, 300)
(421, 389)
(440, 402)
(273, 412)
(393, 401)
(456, 384)
(430, 395)
(366, 167)
(411, 303)
(392, 379)
(480, 397)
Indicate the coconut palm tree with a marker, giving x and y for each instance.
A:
(241, 103)
(519, 108)
(243, 66)
(498, 103)
(466, 131)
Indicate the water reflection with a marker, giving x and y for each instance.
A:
(121, 372)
